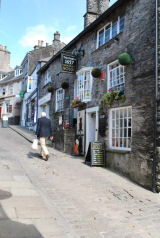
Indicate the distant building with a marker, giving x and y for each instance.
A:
(10, 96)
(4, 60)
(29, 64)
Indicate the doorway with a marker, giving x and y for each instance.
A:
(91, 125)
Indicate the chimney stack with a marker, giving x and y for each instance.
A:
(94, 9)
(56, 36)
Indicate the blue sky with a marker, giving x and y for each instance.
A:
(24, 22)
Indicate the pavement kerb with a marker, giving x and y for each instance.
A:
(22, 134)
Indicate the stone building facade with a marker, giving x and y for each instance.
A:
(29, 63)
(129, 128)
(10, 100)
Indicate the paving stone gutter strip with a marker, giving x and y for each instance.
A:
(21, 133)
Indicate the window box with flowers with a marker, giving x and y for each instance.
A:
(112, 96)
(77, 103)
(66, 125)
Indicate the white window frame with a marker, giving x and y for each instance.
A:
(80, 91)
(104, 27)
(59, 100)
(115, 127)
(47, 78)
(121, 81)
(11, 92)
(18, 72)
(7, 106)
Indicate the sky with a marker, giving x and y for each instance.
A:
(24, 22)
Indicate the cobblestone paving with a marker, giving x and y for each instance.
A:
(71, 199)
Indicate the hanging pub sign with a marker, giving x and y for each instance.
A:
(68, 63)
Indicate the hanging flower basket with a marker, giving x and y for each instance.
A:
(65, 85)
(50, 89)
(80, 104)
(96, 73)
(77, 103)
(124, 59)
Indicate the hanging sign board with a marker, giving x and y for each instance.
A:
(95, 154)
(68, 63)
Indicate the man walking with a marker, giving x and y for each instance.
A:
(44, 131)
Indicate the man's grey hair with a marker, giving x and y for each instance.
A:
(43, 114)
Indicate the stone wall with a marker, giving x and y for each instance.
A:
(138, 40)
(69, 139)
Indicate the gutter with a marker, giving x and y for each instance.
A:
(156, 99)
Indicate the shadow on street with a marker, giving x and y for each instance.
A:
(33, 155)
(12, 229)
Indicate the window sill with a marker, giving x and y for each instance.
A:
(118, 151)
(108, 43)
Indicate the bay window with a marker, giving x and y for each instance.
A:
(83, 85)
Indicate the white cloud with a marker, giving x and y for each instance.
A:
(35, 33)
(67, 39)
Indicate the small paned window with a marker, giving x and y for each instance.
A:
(114, 29)
(18, 72)
(116, 76)
(60, 99)
(107, 33)
(11, 89)
(120, 128)
(121, 24)
(110, 31)
(101, 37)
(8, 107)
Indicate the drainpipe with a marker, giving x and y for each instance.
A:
(37, 95)
(156, 94)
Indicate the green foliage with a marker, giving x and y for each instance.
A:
(96, 73)
(124, 59)
(50, 89)
(112, 96)
(64, 85)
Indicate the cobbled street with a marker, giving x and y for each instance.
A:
(64, 198)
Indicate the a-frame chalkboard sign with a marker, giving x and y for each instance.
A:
(95, 154)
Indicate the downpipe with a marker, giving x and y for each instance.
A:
(156, 96)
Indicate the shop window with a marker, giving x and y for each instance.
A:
(110, 31)
(116, 76)
(120, 128)
(83, 85)
(60, 99)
